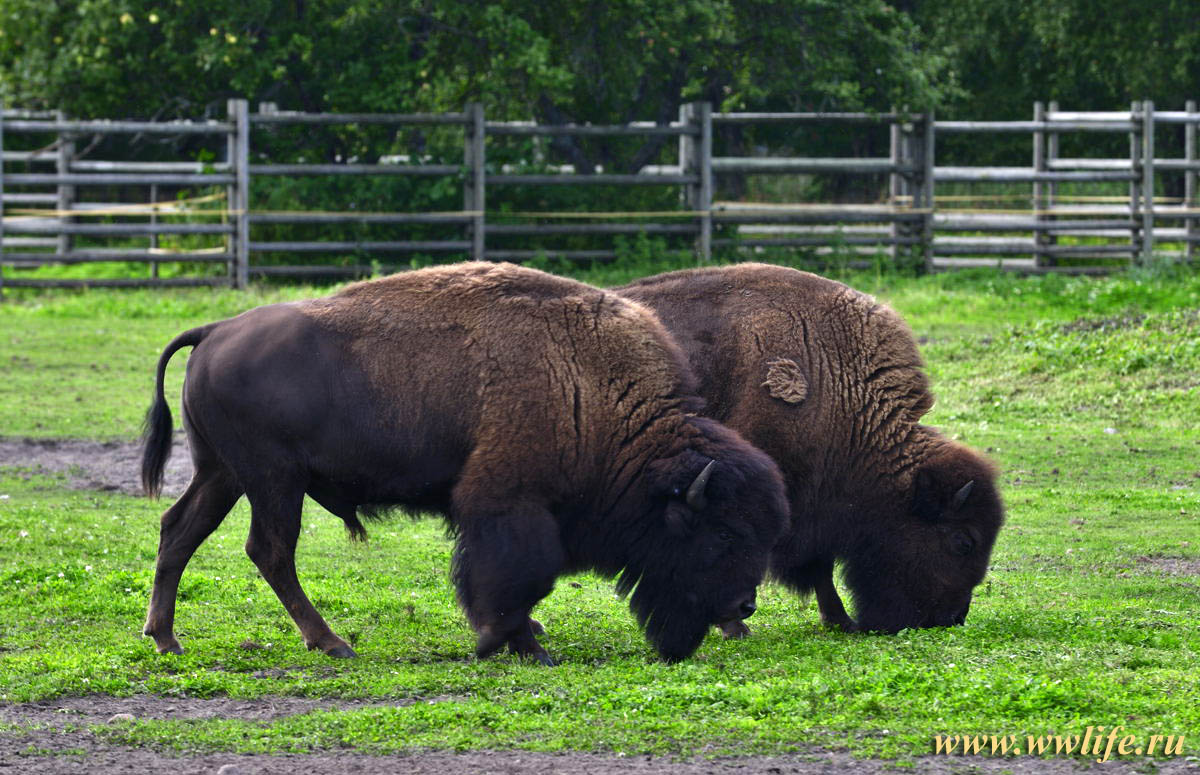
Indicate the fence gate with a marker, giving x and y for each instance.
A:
(61, 208)
(167, 219)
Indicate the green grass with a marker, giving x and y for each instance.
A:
(1085, 391)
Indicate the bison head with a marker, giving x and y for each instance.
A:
(716, 512)
(926, 553)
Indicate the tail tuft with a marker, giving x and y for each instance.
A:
(156, 430)
(156, 445)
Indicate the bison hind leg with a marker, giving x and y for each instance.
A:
(191, 519)
(274, 530)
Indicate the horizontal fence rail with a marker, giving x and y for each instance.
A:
(44, 177)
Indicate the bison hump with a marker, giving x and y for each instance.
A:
(785, 381)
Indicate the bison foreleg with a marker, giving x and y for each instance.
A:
(833, 613)
(503, 565)
(185, 525)
(274, 530)
(815, 575)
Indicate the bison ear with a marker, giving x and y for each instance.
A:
(785, 381)
(934, 498)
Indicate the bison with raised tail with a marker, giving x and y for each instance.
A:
(830, 384)
(551, 423)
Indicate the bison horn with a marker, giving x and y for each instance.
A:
(960, 497)
(695, 493)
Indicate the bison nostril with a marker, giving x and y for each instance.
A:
(747, 609)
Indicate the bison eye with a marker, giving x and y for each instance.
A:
(961, 544)
(725, 535)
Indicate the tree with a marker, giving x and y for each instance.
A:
(571, 60)
(1087, 54)
(626, 60)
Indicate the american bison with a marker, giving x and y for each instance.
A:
(829, 383)
(552, 424)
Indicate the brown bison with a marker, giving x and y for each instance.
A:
(829, 383)
(551, 423)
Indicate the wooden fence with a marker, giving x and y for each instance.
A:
(44, 219)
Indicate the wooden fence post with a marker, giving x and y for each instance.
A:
(238, 201)
(1135, 168)
(927, 188)
(894, 182)
(1189, 177)
(1, 199)
(474, 195)
(687, 154)
(1039, 165)
(704, 119)
(1147, 182)
(66, 194)
(153, 234)
(898, 188)
(695, 158)
(1051, 187)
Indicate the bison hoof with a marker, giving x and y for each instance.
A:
(734, 630)
(545, 659)
(342, 652)
(166, 645)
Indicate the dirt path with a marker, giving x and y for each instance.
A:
(95, 465)
(57, 736)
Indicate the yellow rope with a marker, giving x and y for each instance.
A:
(173, 207)
(177, 207)
(1028, 197)
(1058, 211)
(176, 252)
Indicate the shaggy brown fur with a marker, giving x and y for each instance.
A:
(553, 424)
(829, 382)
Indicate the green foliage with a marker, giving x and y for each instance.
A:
(521, 58)
(1087, 55)
(566, 61)
(139, 58)
(1010, 53)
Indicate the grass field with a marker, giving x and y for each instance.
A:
(1085, 391)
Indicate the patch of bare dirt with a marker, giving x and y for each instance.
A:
(97, 709)
(1105, 324)
(56, 736)
(1172, 566)
(95, 465)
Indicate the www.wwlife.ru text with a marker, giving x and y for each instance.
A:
(1093, 742)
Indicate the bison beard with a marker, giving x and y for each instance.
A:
(552, 424)
(830, 384)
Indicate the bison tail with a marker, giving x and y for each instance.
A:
(156, 429)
